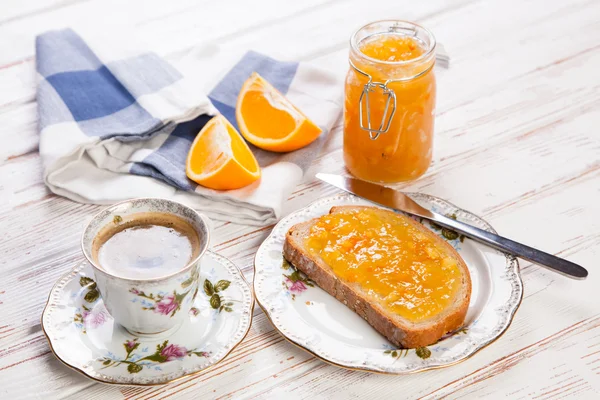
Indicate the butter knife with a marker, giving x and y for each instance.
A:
(396, 200)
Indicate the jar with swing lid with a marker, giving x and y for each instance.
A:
(389, 106)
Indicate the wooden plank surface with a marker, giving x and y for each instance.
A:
(517, 142)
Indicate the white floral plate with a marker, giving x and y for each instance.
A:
(83, 335)
(317, 322)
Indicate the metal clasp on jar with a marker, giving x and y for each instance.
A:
(384, 125)
(371, 87)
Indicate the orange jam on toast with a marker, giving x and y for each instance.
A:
(392, 260)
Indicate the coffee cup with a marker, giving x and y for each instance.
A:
(146, 255)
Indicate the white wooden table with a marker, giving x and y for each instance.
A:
(517, 142)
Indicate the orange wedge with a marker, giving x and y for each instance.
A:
(269, 121)
(220, 158)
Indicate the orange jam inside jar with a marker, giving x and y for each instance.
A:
(390, 259)
(389, 102)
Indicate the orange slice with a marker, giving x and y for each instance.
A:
(269, 121)
(220, 158)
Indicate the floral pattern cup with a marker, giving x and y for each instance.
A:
(147, 306)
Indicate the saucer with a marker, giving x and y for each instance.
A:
(317, 322)
(84, 336)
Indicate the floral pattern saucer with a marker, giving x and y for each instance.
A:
(317, 322)
(83, 335)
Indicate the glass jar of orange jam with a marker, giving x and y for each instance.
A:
(389, 102)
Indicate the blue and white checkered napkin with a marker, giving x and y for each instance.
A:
(118, 123)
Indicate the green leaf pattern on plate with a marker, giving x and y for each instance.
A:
(165, 352)
(216, 299)
(446, 233)
(421, 352)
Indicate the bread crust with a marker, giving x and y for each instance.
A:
(397, 330)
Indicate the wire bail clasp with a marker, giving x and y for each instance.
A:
(372, 88)
(384, 125)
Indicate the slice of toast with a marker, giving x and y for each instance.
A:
(398, 330)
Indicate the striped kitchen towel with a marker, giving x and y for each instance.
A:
(117, 123)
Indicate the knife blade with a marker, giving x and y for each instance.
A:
(398, 201)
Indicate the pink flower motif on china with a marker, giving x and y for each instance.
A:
(296, 283)
(94, 319)
(161, 303)
(296, 287)
(136, 362)
(167, 305)
(173, 352)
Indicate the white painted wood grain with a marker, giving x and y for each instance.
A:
(516, 142)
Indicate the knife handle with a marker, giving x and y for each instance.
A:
(515, 248)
